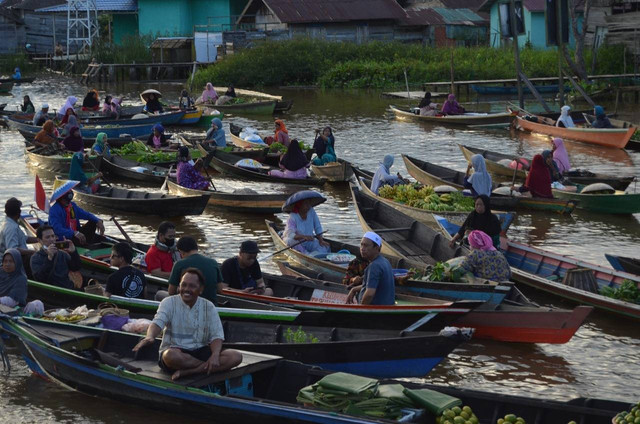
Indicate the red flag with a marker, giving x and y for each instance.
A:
(41, 197)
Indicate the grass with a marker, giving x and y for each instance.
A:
(134, 48)
(303, 61)
(8, 62)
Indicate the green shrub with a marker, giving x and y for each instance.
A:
(134, 48)
(8, 62)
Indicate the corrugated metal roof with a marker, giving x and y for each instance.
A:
(35, 4)
(462, 4)
(458, 16)
(535, 5)
(422, 17)
(102, 6)
(443, 16)
(304, 11)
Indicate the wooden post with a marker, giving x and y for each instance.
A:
(452, 73)
(560, 42)
(406, 81)
(516, 50)
(54, 33)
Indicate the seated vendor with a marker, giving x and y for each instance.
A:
(485, 261)
(243, 272)
(378, 285)
(303, 230)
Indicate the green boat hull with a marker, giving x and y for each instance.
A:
(627, 203)
(205, 120)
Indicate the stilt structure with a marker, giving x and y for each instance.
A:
(82, 24)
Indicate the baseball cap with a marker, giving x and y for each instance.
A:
(249, 246)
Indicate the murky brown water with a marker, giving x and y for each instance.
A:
(602, 360)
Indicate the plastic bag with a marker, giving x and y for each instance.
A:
(138, 326)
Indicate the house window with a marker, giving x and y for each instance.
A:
(505, 19)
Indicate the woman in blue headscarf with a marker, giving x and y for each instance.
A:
(324, 147)
(16, 74)
(601, 118)
(216, 134)
(76, 173)
(383, 175)
(480, 181)
(157, 139)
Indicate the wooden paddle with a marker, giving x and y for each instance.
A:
(124, 233)
(96, 169)
(166, 180)
(209, 176)
(289, 247)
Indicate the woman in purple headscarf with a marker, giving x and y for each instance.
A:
(452, 107)
(485, 261)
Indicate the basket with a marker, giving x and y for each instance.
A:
(94, 287)
(108, 308)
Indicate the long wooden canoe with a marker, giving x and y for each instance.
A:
(502, 119)
(616, 203)
(88, 141)
(27, 80)
(251, 108)
(116, 131)
(633, 144)
(118, 167)
(505, 173)
(334, 172)
(623, 263)
(225, 163)
(255, 203)
(606, 137)
(62, 356)
(142, 202)
(237, 141)
(167, 118)
(53, 163)
(545, 271)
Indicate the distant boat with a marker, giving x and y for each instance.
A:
(497, 89)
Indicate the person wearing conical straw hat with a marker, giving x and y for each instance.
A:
(303, 223)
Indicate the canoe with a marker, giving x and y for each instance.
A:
(633, 144)
(237, 141)
(616, 203)
(88, 141)
(209, 115)
(505, 173)
(263, 387)
(623, 263)
(91, 131)
(251, 108)
(118, 167)
(499, 89)
(606, 137)
(373, 353)
(6, 87)
(225, 163)
(241, 153)
(502, 119)
(283, 106)
(21, 80)
(54, 163)
(84, 118)
(122, 199)
(191, 117)
(255, 203)
(546, 271)
(334, 172)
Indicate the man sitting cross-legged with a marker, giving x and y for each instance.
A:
(193, 335)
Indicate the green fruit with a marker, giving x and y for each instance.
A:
(511, 418)
(500, 421)
(450, 414)
(637, 420)
(637, 412)
(465, 415)
(572, 422)
(474, 420)
(466, 409)
(458, 420)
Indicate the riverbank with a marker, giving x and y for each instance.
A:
(381, 64)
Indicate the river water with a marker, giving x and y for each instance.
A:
(601, 360)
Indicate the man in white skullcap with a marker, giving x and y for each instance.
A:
(378, 285)
(41, 116)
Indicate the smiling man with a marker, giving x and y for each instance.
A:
(193, 334)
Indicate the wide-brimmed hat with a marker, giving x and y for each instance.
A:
(313, 196)
(61, 188)
(145, 94)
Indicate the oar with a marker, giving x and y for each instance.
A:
(124, 233)
(96, 169)
(114, 241)
(166, 180)
(209, 176)
(288, 247)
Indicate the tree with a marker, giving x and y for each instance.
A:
(577, 63)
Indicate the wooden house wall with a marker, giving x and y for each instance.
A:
(39, 31)
(11, 36)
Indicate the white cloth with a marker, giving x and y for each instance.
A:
(185, 327)
(373, 237)
(565, 118)
(11, 236)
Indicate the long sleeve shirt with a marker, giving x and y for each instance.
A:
(58, 219)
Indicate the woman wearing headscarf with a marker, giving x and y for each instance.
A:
(554, 173)
(485, 261)
(74, 142)
(157, 139)
(565, 120)
(383, 175)
(231, 91)
(209, 95)
(106, 106)
(324, 146)
(16, 74)
(480, 181)
(76, 173)
(293, 163)
(47, 136)
(101, 145)
(71, 121)
(281, 133)
(560, 156)
(538, 181)
(153, 104)
(601, 118)
(187, 175)
(304, 225)
(481, 218)
(69, 104)
(91, 101)
(13, 280)
(27, 106)
(216, 134)
(452, 107)
(426, 107)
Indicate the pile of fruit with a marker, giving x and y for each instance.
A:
(511, 419)
(628, 291)
(629, 417)
(143, 153)
(457, 415)
(277, 147)
(424, 197)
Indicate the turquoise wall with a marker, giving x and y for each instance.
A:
(123, 26)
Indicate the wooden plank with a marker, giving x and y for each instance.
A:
(581, 91)
(535, 92)
(538, 79)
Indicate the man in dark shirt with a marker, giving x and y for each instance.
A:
(191, 258)
(243, 272)
(127, 281)
(53, 261)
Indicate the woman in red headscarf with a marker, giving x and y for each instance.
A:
(281, 134)
(538, 181)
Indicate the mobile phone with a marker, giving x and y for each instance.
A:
(62, 244)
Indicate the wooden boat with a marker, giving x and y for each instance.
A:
(27, 80)
(122, 199)
(245, 144)
(100, 363)
(502, 119)
(623, 263)
(191, 117)
(606, 137)
(225, 163)
(6, 87)
(209, 115)
(251, 108)
(283, 106)
(334, 172)
(170, 117)
(255, 203)
(634, 143)
(121, 168)
(492, 161)
(500, 90)
(53, 163)
(373, 353)
(616, 203)
(88, 142)
(116, 131)
(546, 271)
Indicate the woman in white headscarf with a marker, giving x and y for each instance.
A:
(565, 120)
(480, 181)
(69, 104)
(383, 175)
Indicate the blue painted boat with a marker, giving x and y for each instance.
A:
(112, 131)
(498, 89)
(623, 263)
